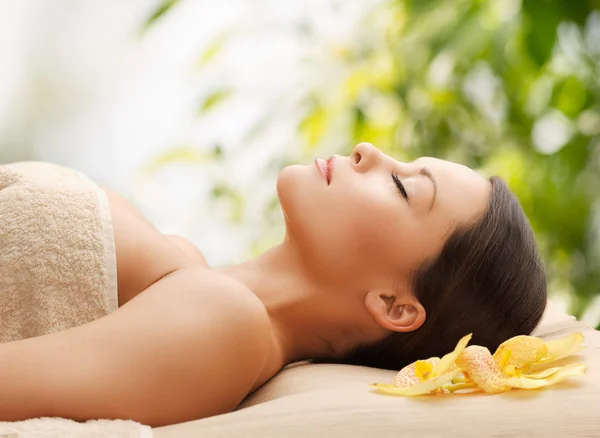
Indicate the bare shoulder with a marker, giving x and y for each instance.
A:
(219, 334)
(188, 248)
(207, 290)
(219, 303)
(223, 318)
(190, 346)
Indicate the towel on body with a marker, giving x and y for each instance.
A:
(57, 271)
(57, 259)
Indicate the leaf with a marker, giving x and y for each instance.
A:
(214, 48)
(542, 19)
(214, 99)
(164, 7)
(185, 154)
(314, 125)
(235, 202)
(572, 97)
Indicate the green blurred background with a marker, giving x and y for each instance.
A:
(510, 87)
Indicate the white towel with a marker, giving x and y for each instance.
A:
(57, 260)
(62, 428)
(57, 271)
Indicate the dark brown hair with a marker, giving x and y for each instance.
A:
(488, 280)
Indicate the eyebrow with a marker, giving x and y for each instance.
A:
(426, 172)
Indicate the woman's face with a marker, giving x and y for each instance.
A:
(370, 221)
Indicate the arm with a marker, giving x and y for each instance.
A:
(190, 346)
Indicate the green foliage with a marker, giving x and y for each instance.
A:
(214, 48)
(186, 154)
(160, 11)
(213, 99)
(236, 203)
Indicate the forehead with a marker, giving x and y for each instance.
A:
(462, 193)
(448, 169)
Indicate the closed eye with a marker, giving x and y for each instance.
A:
(400, 186)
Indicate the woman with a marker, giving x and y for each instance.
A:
(383, 263)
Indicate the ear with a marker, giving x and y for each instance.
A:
(394, 311)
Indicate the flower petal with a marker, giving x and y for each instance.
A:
(576, 369)
(479, 367)
(543, 374)
(448, 360)
(461, 386)
(421, 388)
(519, 351)
(407, 376)
(560, 348)
(423, 370)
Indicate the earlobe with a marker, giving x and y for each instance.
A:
(395, 313)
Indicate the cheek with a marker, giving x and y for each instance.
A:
(356, 233)
(380, 233)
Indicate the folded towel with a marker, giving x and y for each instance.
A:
(59, 427)
(57, 271)
(57, 260)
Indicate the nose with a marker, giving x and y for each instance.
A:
(365, 156)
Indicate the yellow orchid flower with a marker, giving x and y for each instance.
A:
(480, 369)
(519, 362)
(523, 354)
(425, 376)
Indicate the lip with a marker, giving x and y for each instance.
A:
(325, 168)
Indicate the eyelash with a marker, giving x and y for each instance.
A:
(399, 185)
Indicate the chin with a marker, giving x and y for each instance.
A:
(298, 192)
(309, 218)
(289, 183)
(295, 184)
(289, 177)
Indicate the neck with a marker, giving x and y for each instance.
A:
(300, 312)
